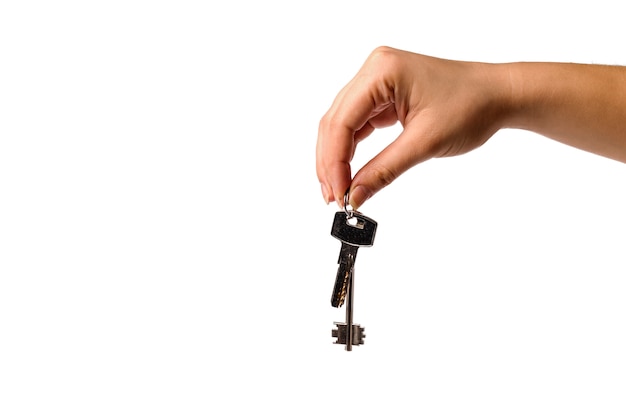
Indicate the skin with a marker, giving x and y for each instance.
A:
(448, 108)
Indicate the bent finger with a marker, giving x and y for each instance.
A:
(413, 146)
(342, 127)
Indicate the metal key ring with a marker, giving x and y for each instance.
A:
(349, 213)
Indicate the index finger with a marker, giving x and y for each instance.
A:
(357, 103)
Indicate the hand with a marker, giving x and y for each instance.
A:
(449, 107)
(446, 108)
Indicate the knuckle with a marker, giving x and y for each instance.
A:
(385, 58)
(381, 51)
(323, 122)
(329, 122)
(383, 175)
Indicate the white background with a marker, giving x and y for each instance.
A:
(165, 249)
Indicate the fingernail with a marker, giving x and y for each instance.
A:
(359, 195)
(325, 193)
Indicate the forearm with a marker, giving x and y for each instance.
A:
(580, 105)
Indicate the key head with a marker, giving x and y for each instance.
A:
(359, 230)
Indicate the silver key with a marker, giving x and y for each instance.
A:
(354, 230)
(349, 333)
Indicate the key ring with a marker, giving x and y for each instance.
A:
(349, 213)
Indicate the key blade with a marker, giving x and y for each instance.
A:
(341, 286)
(347, 256)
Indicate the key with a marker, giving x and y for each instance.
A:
(347, 333)
(353, 230)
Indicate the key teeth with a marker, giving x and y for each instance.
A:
(340, 290)
(358, 334)
(337, 303)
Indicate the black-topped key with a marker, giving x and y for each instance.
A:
(353, 230)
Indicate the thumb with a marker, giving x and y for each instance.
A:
(408, 150)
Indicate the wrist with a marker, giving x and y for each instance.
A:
(504, 95)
